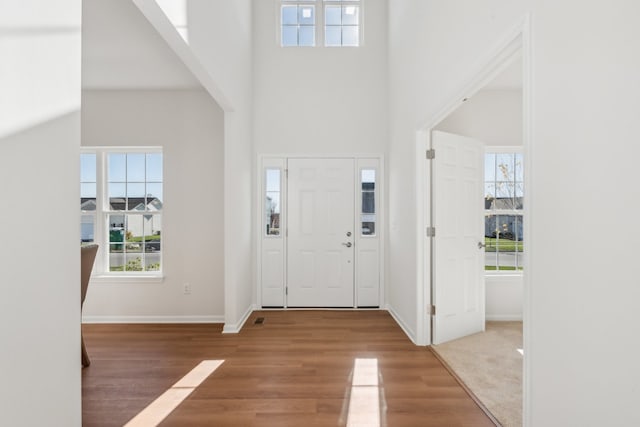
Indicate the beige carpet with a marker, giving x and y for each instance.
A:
(491, 367)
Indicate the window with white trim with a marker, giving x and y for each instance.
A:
(273, 190)
(341, 18)
(297, 23)
(121, 208)
(368, 204)
(341, 23)
(88, 191)
(503, 204)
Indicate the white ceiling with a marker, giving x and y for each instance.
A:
(121, 50)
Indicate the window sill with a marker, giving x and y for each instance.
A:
(113, 278)
(505, 274)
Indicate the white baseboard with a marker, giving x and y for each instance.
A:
(153, 319)
(503, 317)
(236, 327)
(407, 330)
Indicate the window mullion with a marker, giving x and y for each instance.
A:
(353, 26)
(505, 215)
(320, 24)
(150, 219)
(101, 219)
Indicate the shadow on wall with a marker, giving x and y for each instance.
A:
(23, 133)
(30, 100)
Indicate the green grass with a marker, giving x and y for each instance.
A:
(146, 238)
(501, 268)
(502, 245)
(136, 265)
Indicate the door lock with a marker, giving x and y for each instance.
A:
(348, 244)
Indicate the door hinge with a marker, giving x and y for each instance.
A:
(286, 291)
(431, 154)
(286, 173)
(431, 310)
(431, 232)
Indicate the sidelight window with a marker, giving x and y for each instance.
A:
(368, 194)
(273, 190)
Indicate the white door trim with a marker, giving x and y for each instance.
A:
(381, 184)
(518, 41)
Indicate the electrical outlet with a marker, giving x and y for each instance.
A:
(187, 288)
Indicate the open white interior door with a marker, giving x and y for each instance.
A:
(321, 233)
(458, 218)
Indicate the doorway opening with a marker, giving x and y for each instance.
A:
(494, 109)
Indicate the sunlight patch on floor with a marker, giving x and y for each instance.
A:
(158, 410)
(364, 400)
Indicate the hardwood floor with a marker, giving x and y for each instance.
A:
(295, 369)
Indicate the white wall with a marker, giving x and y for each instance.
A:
(584, 107)
(220, 34)
(433, 49)
(40, 260)
(189, 126)
(504, 297)
(219, 41)
(318, 100)
(492, 116)
(122, 50)
(495, 118)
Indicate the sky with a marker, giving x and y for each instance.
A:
(341, 25)
(130, 174)
(504, 175)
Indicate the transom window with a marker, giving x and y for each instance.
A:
(298, 24)
(503, 204)
(341, 23)
(121, 208)
(341, 18)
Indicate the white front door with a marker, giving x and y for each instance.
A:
(458, 217)
(320, 261)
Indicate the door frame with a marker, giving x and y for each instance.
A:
(517, 41)
(263, 158)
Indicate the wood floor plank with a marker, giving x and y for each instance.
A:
(294, 369)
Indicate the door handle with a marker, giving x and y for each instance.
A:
(348, 244)
(481, 245)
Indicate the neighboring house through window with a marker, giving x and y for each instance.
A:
(503, 204)
(368, 190)
(121, 204)
(273, 188)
